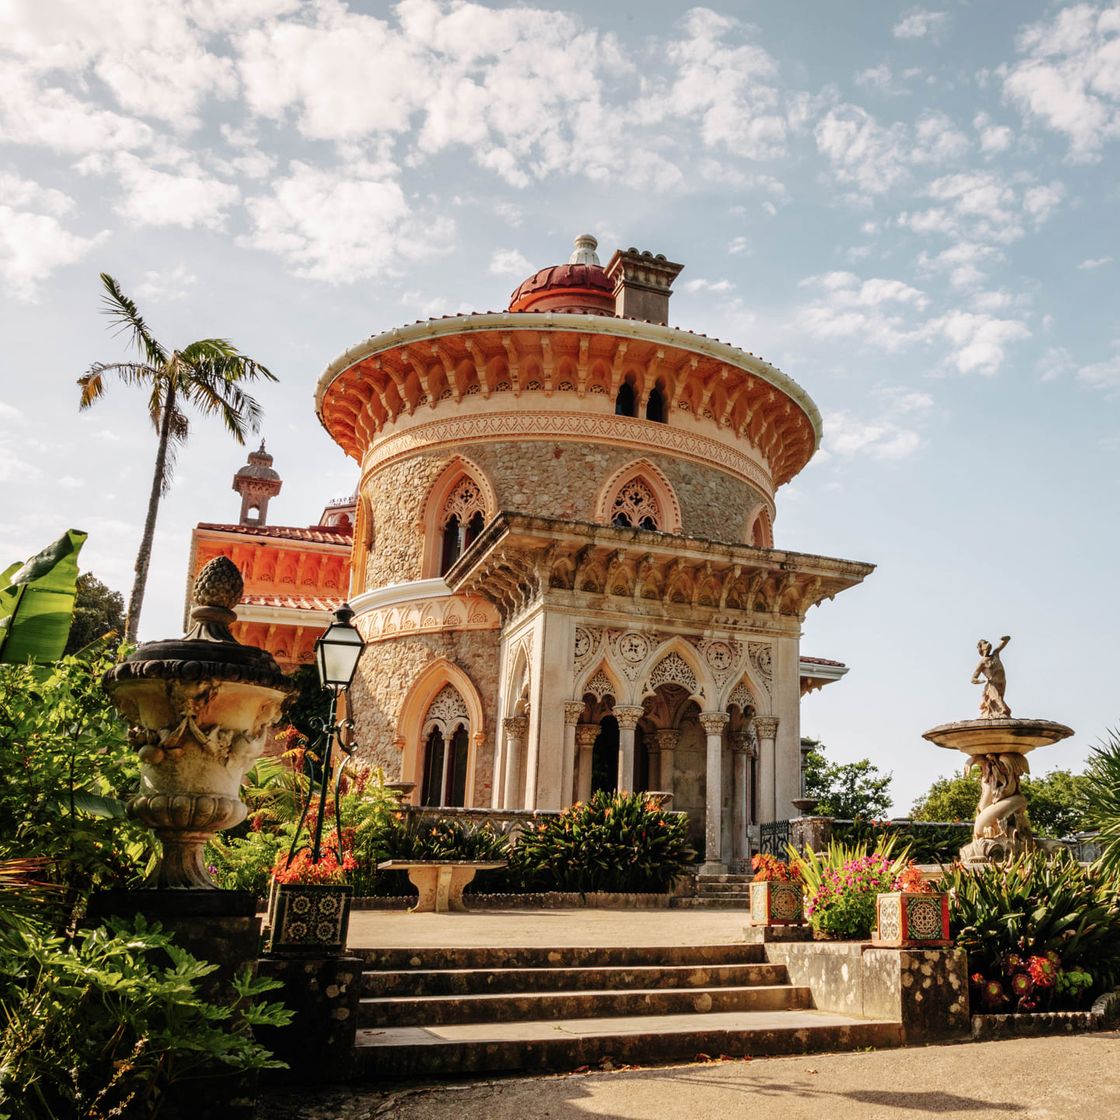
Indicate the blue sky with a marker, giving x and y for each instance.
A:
(911, 210)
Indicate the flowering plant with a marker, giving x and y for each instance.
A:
(911, 881)
(326, 872)
(770, 869)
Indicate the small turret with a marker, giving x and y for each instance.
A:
(257, 483)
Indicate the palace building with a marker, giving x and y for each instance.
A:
(563, 554)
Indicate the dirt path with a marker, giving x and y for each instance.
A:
(1064, 1078)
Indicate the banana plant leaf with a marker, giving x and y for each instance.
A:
(37, 602)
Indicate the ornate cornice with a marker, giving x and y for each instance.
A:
(443, 362)
(427, 615)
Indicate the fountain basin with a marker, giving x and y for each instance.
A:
(997, 736)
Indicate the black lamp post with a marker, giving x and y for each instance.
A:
(337, 653)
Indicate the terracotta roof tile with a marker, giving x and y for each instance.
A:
(292, 602)
(822, 661)
(316, 534)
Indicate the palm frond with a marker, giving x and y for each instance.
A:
(209, 349)
(126, 316)
(212, 387)
(1103, 801)
(93, 380)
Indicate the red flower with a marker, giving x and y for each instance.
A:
(993, 993)
(1042, 971)
(977, 978)
(1021, 984)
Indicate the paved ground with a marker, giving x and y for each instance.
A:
(550, 928)
(1062, 1078)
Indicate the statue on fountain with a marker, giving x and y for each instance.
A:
(998, 745)
(992, 703)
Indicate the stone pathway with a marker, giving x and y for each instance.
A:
(1060, 1078)
(549, 928)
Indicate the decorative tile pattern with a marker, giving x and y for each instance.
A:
(776, 904)
(309, 920)
(915, 920)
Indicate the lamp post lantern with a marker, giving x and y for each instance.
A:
(337, 653)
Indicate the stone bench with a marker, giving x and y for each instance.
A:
(440, 882)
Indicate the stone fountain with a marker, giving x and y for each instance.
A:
(200, 710)
(998, 744)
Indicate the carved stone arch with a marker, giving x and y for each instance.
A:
(460, 469)
(762, 531)
(447, 712)
(676, 662)
(661, 489)
(427, 685)
(363, 544)
(744, 692)
(600, 679)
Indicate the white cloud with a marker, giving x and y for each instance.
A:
(846, 436)
(862, 151)
(878, 312)
(1069, 78)
(937, 140)
(1056, 362)
(339, 225)
(10, 414)
(920, 23)
(1103, 375)
(159, 198)
(962, 262)
(978, 341)
(879, 77)
(738, 245)
(993, 137)
(701, 285)
(168, 284)
(900, 400)
(511, 262)
(33, 242)
(1095, 262)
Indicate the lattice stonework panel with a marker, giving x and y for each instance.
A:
(673, 669)
(447, 710)
(635, 501)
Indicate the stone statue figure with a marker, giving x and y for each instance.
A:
(992, 703)
(1001, 813)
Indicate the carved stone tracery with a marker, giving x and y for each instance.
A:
(446, 712)
(673, 669)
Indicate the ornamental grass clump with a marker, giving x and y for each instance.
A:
(613, 842)
(842, 882)
(1041, 932)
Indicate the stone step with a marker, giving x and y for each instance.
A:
(595, 956)
(565, 1044)
(722, 888)
(647, 977)
(729, 878)
(712, 902)
(427, 1011)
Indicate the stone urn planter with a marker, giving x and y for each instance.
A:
(200, 710)
(912, 920)
(308, 919)
(777, 904)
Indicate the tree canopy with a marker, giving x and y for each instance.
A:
(846, 790)
(98, 610)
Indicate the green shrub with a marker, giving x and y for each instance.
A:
(935, 842)
(842, 882)
(614, 842)
(107, 1023)
(1036, 905)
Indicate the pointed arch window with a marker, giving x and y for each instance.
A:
(635, 506)
(446, 751)
(655, 406)
(461, 520)
(625, 404)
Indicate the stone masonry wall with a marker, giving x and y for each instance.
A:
(548, 479)
(386, 674)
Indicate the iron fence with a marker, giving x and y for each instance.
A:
(773, 837)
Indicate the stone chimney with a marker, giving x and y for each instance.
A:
(641, 285)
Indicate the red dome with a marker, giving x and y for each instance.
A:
(580, 286)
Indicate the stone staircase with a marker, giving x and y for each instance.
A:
(718, 892)
(463, 1011)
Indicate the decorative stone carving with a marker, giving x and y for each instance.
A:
(719, 656)
(600, 685)
(447, 711)
(766, 727)
(201, 710)
(673, 669)
(713, 723)
(635, 505)
(585, 645)
(516, 727)
(742, 742)
(463, 502)
(573, 709)
(762, 662)
(741, 697)
(628, 716)
(586, 734)
(633, 648)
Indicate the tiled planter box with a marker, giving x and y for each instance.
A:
(777, 904)
(305, 920)
(911, 920)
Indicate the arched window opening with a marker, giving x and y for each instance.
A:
(625, 403)
(445, 769)
(604, 756)
(635, 506)
(463, 517)
(433, 769)
(655, 406)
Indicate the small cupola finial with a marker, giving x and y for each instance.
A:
(584, 252)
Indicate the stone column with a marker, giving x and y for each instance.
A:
(766, 727)
(627, 721)
(741, 751)
(666, 740)
(713, 724)
(515, 728)
(586, 734)
(573, 709)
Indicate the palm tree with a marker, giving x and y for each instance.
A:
(206, 374)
